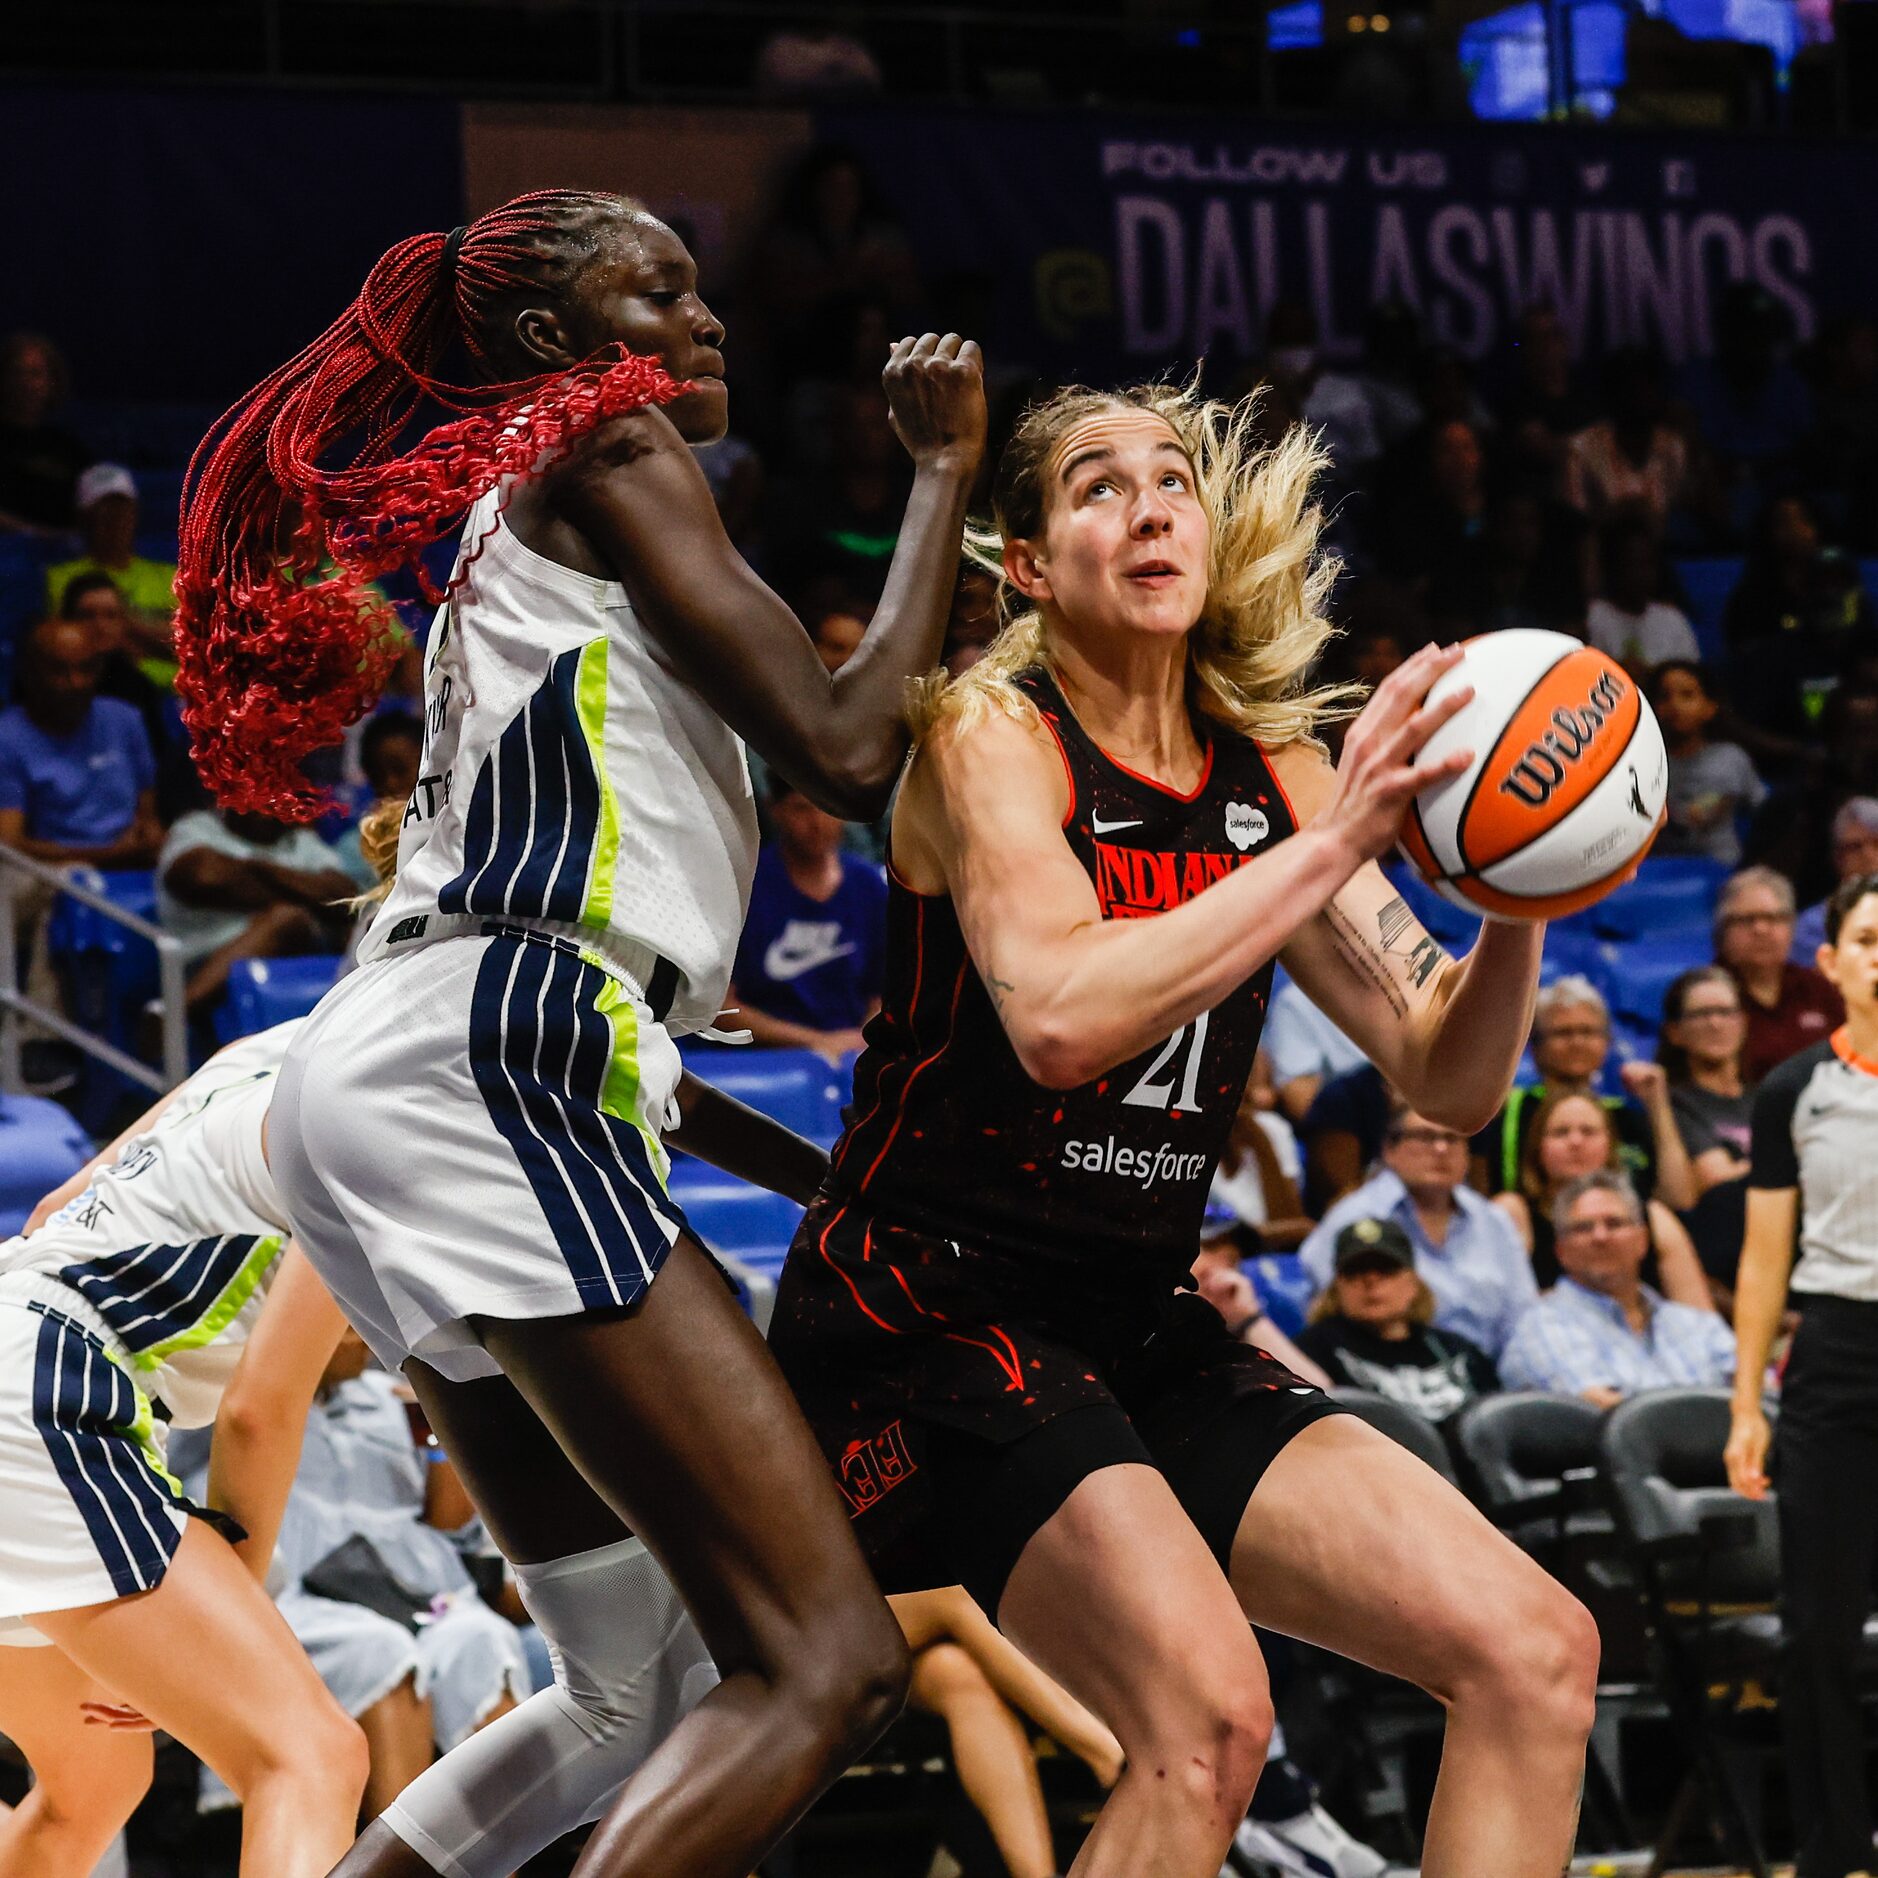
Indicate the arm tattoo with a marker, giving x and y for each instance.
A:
(1362, 957)
(1420, 957)
(1000, 989)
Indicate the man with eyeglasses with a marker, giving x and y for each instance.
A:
(1465, 1248)
(1790, 1007)
(1601, 1332)
(1571, 1037)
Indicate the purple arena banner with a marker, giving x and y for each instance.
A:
(1121, 245)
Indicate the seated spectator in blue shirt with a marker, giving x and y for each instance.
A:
(390, 753)
(1854, 852)
(809, 966)
(1465, 1247)
(77, 777)
(1342, 1133)
(235, 887)
(1601, 1332)
(1305, 1050)
(1374, 1328)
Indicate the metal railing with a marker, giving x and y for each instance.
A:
(18, 1010)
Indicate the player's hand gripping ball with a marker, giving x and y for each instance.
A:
(1566, 789)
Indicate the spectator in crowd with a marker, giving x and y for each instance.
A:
(1750, 406)
(1260, 1174)
(831, 239)
(235, 886)
(1342, 1132)
(1373, 1328)
(1465, 1247)
(1795, 612)
(77, 776)
(1703, 1034)
(983, 1688)
(1571, 1136)
(1571, 1037)
(974, 621)
(1222, 1280)
(1839, 760)
(390, 752)
(106, 501)
(837, 631)
(841, 526)
(1854, 852)
(809, 966)
(1545, 407)
(1789, 1006)
(1304, 1048)
(734, 469)
(379, 1594)
(1630, 461)
(1391, 371)
(1521, 570)
(1630, 619)
(1711, 785)
(1842, 454)
(1440, 505)
(1601, 1332)
(39, 461)
(1329, 401)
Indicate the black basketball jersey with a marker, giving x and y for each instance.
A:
(947, 1132)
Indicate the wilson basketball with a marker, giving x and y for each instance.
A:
(1566, 789)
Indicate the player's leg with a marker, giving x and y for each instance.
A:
(208, 1658)
(992, 1753)
(678, 1417)
(1118, 1597)
(398, 1733)
(1351, 1543)
(670, 1416)
(87, 1780)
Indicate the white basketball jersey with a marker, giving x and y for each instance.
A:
(175, 1244)
(571, 779)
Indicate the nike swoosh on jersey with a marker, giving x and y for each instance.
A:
(1109, 828)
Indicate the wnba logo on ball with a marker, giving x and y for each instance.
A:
(1546, 761)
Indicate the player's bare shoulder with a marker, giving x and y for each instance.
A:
(1306, 775)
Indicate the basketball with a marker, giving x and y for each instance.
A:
(1566, 789)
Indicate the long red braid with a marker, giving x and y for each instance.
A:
(281, 640)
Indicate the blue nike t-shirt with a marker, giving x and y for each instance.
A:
(814, 962)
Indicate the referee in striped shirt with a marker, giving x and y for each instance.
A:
(1814, 1179)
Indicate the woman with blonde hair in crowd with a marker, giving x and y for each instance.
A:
(1571, 1135)
(1112, 827)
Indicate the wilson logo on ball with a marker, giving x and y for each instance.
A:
(1545, 764)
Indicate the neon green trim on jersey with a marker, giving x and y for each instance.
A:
(223, 1311)
(143, 1432)
(590, 703)
(622, 1095)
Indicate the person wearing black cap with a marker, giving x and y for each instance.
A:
(1373, 1328)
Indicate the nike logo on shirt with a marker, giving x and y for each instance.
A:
(1108, 828)
(802, 946)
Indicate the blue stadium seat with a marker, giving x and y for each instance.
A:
(1284, 1288)
(1572, 951)
(1707, 581)
(1652, 905)
(794, 1087)
(110, 972)
(40, 1145)
(1456, 928)
(1639, 973)
(731, 1216)
(266, 992)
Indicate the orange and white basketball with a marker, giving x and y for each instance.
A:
(1566, 789)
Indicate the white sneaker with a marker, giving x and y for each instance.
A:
(1312, 1845)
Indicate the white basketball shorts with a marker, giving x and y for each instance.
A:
(472, 1129)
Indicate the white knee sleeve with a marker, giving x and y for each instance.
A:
(628, 1664)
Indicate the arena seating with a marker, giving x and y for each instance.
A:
(40, 1145)
(266, 992)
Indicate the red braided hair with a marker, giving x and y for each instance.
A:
(280, 638)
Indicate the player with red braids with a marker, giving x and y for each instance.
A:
(469, 1137)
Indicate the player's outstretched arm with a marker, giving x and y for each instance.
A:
(255, 1451)
(741, 1140)
(1447, 1032)
(981, 818)
(637, 494)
